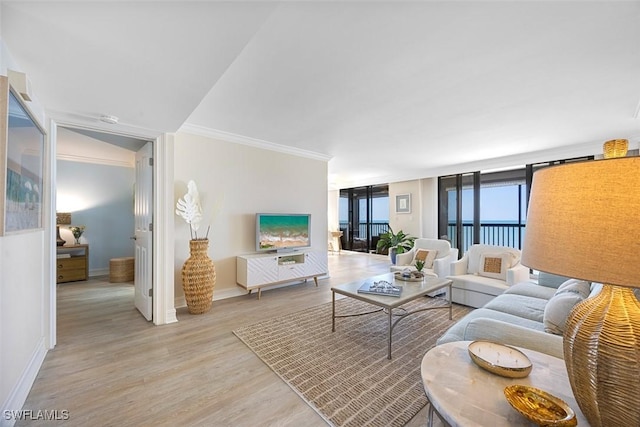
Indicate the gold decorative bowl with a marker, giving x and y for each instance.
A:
(500, 359)
(540, 407)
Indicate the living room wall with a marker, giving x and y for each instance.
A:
(422, 221)
(235, 182)
(24, 288)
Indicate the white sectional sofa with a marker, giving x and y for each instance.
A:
(485, 272)
(529, 314)
(437, 253)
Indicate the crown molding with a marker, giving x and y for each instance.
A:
(94, 160)
(252, 142)
(65, 119)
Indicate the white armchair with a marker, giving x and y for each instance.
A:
(484, 272)
(439, 258)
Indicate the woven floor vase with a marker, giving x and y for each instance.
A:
(198, 277)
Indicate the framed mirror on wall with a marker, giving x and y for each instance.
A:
(21, 162)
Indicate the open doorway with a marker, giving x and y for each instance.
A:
(96, 185)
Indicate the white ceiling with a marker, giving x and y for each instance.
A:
(387, 90)
(89, 147)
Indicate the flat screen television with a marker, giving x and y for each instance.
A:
(282, 232)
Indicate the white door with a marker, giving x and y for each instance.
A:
(143, 213)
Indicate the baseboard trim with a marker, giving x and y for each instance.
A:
(18, 396)
(171, 316)
(99, 272)
(179, 302)
(229, 293)
(217, 295)
(238, 291)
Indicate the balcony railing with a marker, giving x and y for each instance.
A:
(494, 233)
(499, 234)
(377, 228)
(356, 240)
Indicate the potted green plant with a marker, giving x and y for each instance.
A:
(419, 267)
(77, 231)
(394, 243)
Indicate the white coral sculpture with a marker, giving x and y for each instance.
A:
(189, 209)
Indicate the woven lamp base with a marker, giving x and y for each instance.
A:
(615, 148)
(602, 354)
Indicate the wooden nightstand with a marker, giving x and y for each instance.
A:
(72, 263)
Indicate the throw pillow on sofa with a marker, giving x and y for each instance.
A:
(495, 265)
(560, 305)
(427, 256)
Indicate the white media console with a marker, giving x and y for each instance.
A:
(257, 271)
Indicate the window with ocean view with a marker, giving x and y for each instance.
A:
(488, 208)
(363, 216)
(491, 209)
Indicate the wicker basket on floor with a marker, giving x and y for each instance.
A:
(198, 277)
(121, 269)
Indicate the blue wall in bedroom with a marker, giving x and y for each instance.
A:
(100, 197)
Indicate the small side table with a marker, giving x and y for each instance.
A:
(72, 263)
(463, 394)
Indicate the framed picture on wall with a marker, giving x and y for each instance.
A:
(21, 163)
(403, 203)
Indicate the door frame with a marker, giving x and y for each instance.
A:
(164, 310)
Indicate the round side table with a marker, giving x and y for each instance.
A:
(463, 394)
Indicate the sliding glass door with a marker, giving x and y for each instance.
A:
(488, 208)
(364, 215)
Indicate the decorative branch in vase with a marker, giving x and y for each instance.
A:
(190, 210)
(198, 271)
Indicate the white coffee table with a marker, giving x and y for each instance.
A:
(410, 292)
(463, 394)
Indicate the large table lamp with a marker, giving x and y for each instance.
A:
(584, 222)
(62, 218)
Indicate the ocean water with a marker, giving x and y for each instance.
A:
(279, 231)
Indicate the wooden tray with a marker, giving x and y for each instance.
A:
(413, 278)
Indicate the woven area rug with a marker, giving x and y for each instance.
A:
(345, 375)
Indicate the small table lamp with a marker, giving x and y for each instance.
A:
(584, 222)
(62, 218)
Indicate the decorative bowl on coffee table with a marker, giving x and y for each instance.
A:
(500, 359)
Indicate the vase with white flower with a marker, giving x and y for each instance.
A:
(77, 231)
(198, 271)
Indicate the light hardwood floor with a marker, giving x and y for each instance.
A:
(111, 367)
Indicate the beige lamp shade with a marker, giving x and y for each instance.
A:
(63, 218)
(584, 221)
